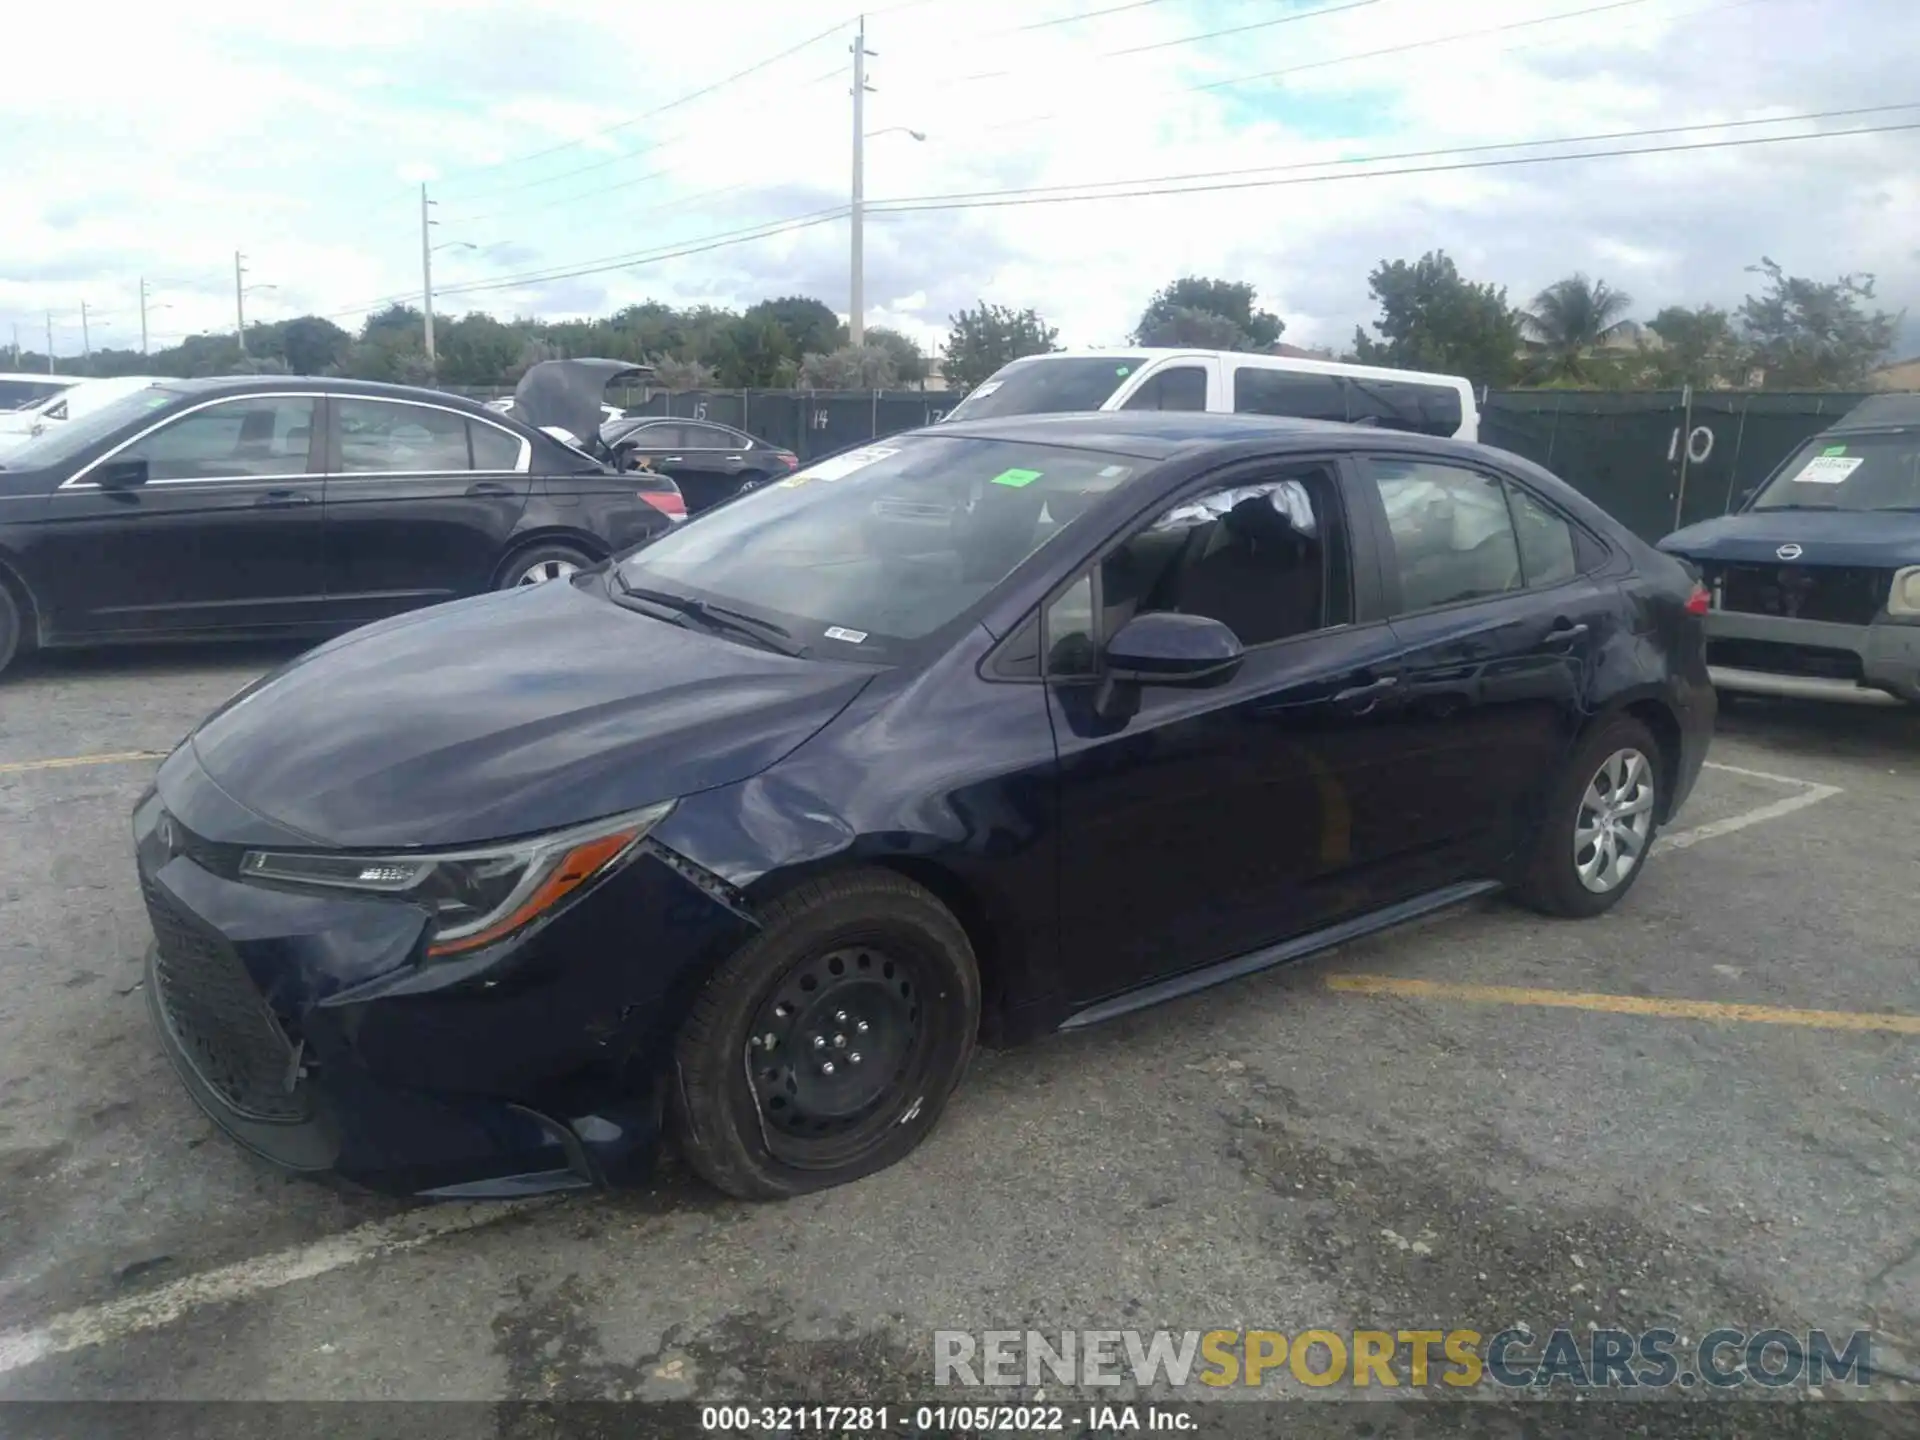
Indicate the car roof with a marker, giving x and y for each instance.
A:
(1300, 364)
(325, 384)
(1878, 412)
(1162, 434)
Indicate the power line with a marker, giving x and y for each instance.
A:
(1637, 134)
(1076, 19)
(924, 203)
(1240, 29)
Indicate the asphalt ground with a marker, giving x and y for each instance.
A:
(1701, 1110)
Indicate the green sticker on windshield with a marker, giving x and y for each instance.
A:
(1122, 371)
(1016, 478)
(1834, 450)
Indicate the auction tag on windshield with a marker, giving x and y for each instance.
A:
(1828, 469)
(840, 632)
(838, 467)
(1016, 478)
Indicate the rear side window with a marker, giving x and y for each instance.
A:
(1452, 537)
(1547, 554)
(1178, 387)
(1402, 405)
(389, 437)
(493, 448)
(1261, 391)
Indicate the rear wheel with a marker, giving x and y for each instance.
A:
(540, 563)
(826, 1047)
(1600, 824)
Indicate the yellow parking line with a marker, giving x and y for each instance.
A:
(1624, 1004)
(69, 762)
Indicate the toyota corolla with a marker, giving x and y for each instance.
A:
(981, 732)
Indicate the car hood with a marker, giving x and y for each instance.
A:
(1885, 539)
(568, 394)
(506, 715)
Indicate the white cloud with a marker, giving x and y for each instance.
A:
(229, 125)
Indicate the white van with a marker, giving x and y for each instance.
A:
(1227, 382)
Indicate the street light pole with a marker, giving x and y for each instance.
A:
(856, 323)
(86, 341)
(143, 314)
(426, 271)
(50, 342)
(239, 303)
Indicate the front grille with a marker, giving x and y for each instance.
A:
(1841, 594)
(219, 1018)
(1772, 657)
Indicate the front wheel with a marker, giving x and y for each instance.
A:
(825, 1048)
(1600, 823)
(541, 563)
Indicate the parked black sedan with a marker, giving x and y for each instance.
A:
(709, 462)
(277, 505)
(989, 730)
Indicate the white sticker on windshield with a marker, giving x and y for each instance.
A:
(839, 466)
(852, 637)
(1828, 469)
(980, 392)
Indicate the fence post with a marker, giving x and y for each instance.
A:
(1686, 448)
(873, 416)
(1733, 468)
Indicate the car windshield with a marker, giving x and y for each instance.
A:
(860, 554)
(61, 441)
(28, 394)
(1047, 385)
(1863, 472)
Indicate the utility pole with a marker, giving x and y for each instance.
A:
(86, 341)
(856, 326)
(426, 270)
(143, 314)
(49, 342)
(239, 303)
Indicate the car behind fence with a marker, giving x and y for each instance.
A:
(1654, 459)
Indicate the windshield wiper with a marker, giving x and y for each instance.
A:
(718, 617)
(1768, 509)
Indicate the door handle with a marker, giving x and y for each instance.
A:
(489, 487)
(1562, 633)
(673, 459)
(282, 500)
(1369, 693)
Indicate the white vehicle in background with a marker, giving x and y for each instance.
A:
(21, 388)
(1226, 382)
(79, 397)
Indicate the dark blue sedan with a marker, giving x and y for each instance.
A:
(974, 733)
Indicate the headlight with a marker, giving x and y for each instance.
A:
(1904, 597)
(476, 896)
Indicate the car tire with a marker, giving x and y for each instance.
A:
(539, 563)
(1609, 790)
(12, 629)
(771, 1096)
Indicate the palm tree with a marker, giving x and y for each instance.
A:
(1571, 319)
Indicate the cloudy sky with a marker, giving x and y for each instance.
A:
(612, 148)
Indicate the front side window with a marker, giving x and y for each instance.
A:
(256, 435)
(866, 551)
(1451, 534)
(1048, 385)
(1860, 472)
(1178, 387)
(384, 437)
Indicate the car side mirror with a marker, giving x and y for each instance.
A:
(120, 474)
(1162, 648)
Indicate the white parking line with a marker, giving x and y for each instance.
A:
(162, 1305)
(1811, 793)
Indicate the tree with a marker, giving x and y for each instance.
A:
(1811, 336)
(1697, 347)
(809, 326)
(910, 364)
(477, 349)
(1201, 328)
(1433, 319)
(1571, 320)
(1230, 300)
(672, 373)
(851, 367)
(983, 339)
(755, 353)
(312, 345)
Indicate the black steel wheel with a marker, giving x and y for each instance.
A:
(826, 1047)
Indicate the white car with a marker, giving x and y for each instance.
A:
(21, 388)
(77, 399)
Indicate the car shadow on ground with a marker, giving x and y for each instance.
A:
(128, 661)
(1822, 728)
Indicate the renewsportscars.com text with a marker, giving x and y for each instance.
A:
(1513, 1358)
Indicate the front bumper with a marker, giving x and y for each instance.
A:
(308, 1028)
(1816, 656)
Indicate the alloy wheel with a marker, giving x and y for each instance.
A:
(832, 1050)
(543, 570)
(1615, 821)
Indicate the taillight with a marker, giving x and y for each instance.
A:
(669, 503)
(1700, 601)
(792, 462)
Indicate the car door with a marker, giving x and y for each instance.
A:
(707, 462)
(1499, 627)
(1201, 823)
(421, 500)
(223, 532)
